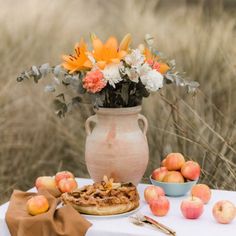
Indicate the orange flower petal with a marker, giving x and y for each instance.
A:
(107, 53)
(112, 43)
(163, 68)
(115, 60)
(125, 42)
(88, 64)
(122, 54)
(97, 45)
(79, 61)
(101, 64)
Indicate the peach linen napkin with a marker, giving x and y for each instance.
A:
(64, 221)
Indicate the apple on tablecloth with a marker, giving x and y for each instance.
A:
(48, 183)
(67, 185)
(192, 207)
(224, 211)
(201, 191)
(63, 175)
(160, 206)
(153, 192)
(64, 181)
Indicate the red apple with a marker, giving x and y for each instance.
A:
(48, 183)
(160, 206)
(159, 174)
(153, 192)
(224, 211)
(37, 205)
(191, 170)
(173, 177)
(201, 191)
(163, 162)
(192, 207)
(63, 175)
(174, 161)
(67, 185)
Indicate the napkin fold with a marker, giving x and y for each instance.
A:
(63, 221)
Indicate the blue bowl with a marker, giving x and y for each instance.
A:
(174, 189)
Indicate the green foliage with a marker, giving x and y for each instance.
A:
(125, 94)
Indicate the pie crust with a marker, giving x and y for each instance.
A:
(104, 198)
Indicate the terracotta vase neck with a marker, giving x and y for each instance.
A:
(118, 111)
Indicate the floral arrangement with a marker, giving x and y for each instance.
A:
(111, 74)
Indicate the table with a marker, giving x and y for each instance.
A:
(120, 226)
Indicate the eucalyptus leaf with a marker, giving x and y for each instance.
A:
(80, 88)
(35, 70)
(76, 100)
(49, 88)
(44, 69)
(60, 107)
(169, 77)
(56, 80)
(57, 70)
(20, 78)
(62, 96)
(67, 80)
(98, 99)
(149, 40)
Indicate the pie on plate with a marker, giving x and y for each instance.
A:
(104, 198)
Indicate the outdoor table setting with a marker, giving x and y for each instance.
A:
(121, 225)
(114, 201)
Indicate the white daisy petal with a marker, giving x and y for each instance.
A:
(111, 74)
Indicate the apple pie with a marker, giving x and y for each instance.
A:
(104, 198)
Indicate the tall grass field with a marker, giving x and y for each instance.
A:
(35, 142)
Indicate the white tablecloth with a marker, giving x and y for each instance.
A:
(120, 226)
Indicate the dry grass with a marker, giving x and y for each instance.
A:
(34, 142)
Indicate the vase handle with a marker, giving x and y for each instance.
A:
(145, 123)
(88, 122)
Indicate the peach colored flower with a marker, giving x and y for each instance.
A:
(158, 66)
(94, 81)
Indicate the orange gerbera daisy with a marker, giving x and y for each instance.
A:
(78, 61)
(107, 53)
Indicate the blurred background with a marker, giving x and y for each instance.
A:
(200, 35)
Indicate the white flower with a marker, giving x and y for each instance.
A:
(111, 74)
(153, 80)
(132, 74)
(144, 69)
(135, 59)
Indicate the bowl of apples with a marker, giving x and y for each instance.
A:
(176, 176)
